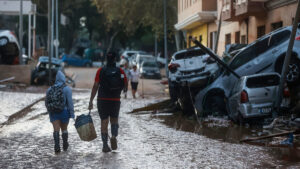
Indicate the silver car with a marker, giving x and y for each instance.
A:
(253, 96)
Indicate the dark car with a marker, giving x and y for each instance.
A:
(150, 70)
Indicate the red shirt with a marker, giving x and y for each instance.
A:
(97, 79)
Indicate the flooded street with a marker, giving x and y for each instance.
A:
(145, 141)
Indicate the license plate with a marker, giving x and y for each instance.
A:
(150, 74)
(265, 110)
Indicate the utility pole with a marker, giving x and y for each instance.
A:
(165, 37)
(21, 33)
(56, 36)
(49, 40)
(287, 57)
(155, 45)
(33, 30)
(29, 34)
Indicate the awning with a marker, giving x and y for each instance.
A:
(196, 20)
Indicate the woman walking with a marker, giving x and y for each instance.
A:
(60, 108)
(134, 79)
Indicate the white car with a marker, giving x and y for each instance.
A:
(9, 47)
(130, 56)
(140, 58)
(189, 71)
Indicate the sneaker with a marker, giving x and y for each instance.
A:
(106, 149)
(113, 143)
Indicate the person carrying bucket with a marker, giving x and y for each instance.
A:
(60, 107)
(109, 82)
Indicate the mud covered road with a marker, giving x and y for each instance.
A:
(144, 142)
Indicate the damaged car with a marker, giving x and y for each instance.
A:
(264, 55)
(40, 74)
(253, 96)
(9, 48)
(189, 71)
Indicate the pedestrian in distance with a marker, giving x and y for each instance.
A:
(60, 107)
(127, 72)
(134, 80)
(109, 82)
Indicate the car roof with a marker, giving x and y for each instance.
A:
(45, 59)
(260, 74)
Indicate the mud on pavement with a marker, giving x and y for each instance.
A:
(144, 142)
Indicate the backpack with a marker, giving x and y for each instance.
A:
(111, 79)
(55, 102)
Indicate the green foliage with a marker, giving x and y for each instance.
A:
(132, 14)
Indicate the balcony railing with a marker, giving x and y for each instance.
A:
(246, 8)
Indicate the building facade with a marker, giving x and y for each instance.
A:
(242, 21)
(195, 18)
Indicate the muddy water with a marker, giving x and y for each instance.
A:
(145, 141)
(223, 129)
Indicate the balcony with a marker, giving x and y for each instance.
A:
(246, 8)
(228, 11)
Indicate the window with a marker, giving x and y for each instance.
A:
(243, 39)
(261, 31)
(263, 81)
(258, 48)
(189, 54)
(276, 25)
(227, 39)
(237, 37)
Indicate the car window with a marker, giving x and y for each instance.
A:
(130, 54)
(259, 48)
(189, 54)
(263, 81)
(150, 64)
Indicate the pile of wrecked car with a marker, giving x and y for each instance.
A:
(204, 84)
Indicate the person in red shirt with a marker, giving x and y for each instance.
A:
(109, 82)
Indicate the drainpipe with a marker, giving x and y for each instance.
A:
(247, 29)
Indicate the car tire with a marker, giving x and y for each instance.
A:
(185, 102)
(215, 103)
(293, 73)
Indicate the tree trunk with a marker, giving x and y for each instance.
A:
(110, 46)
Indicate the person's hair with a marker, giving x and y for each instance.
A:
(111, 57)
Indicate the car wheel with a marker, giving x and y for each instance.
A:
(173, 91)
(185, 102)
(293, 72)
(215, 103)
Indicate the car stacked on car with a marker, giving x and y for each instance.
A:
(265, 55)
(189, 71)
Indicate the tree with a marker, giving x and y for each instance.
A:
(129, 15)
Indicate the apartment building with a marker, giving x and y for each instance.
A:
(197, 18)
(243, 21)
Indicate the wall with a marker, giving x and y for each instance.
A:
(198, 31)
